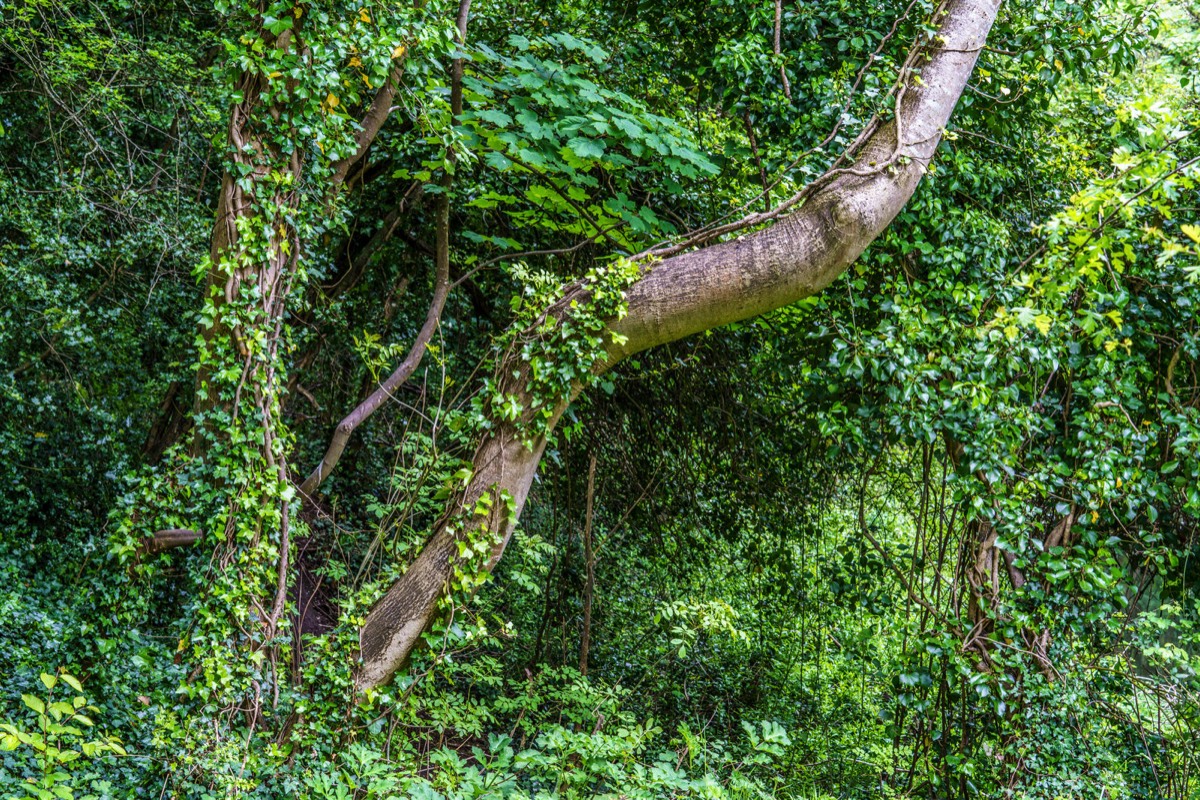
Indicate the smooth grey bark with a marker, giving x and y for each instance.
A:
(843, 212)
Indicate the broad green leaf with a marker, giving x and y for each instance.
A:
(33, 702)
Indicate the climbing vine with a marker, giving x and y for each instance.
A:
(555, 347)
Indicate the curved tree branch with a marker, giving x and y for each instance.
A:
(345, 428)
(844, 211)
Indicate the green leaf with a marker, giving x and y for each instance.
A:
(495, 117)
(586, 148)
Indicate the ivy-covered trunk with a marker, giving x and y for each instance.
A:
(992, 579)
(239, 442)
(290, 145)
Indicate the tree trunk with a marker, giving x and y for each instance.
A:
(843, 212)
(257, 276)
(238, 438)
(589, 563)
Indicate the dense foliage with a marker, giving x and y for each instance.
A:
(930, 533)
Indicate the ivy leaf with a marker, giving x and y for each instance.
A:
(498, 161)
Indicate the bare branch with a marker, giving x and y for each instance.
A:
(787, 86)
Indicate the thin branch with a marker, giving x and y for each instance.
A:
(713, 230)
(864, 528)
(589, 557)
(787, 86)
(562, 251)
(372, 121)
(1112, 215)
(441, 290)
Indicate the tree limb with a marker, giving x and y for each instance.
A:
(345, 428)
(441, 290)
(717, 285)
(372, 122)
(170, 539)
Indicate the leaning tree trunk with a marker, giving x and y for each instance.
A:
(842, 213)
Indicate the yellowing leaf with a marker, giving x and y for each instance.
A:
(1042, 321)
(356, 62)
(399, 51)
(332, 100)
(364, 16)
(1192, 232)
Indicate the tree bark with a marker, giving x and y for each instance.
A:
(798, 256)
